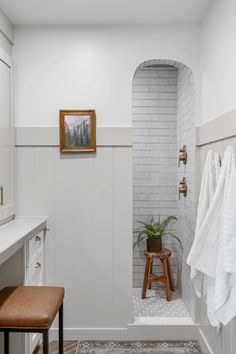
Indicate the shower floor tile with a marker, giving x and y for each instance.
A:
(155, 305)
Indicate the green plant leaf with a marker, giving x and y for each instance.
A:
(177, 238)
(152, 229)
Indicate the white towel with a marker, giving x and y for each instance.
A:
(204, 252)
(210, 177)
(210, 251)
(225, 280)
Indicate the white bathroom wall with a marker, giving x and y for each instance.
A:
(154, 156)
(218, 71)
(86, 67)
(218, 51)
(6, 33)
(91, 67)
(89, 245)
(186, 205)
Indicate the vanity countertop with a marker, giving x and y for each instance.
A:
(15, 233)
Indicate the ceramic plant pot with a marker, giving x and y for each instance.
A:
(154, 245)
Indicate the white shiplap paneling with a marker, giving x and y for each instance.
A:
(89, 245)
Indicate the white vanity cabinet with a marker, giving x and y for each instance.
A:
(22, 263)
(6, 138)
(34, 260)
(34, 275)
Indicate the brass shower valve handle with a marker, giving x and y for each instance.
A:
(183, 188)
(183, 156)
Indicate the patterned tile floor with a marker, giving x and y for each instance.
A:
(155, 305)
(136, 347)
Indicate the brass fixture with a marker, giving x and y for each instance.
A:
(183, 187)
(183, 156)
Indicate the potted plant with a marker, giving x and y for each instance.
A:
(152, 231)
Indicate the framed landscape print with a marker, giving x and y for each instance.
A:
(77, 131)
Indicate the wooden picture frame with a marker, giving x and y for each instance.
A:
(77, 131)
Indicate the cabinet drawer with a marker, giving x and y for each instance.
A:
(35, 246)
(34, 272)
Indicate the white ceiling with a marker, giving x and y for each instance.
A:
(56, 12)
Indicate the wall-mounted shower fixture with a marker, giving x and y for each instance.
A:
(183, 188)
(183, 156)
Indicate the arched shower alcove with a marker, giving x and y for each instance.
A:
(164, 121)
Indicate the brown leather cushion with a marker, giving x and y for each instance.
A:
(29, 306)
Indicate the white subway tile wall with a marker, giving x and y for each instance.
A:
(154, 155)
(163, 121)
(186, 206)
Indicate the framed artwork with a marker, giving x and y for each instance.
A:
(77, 131)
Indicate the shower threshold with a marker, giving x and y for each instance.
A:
(155, 310)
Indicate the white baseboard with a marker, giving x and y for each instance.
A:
(132, 332)
(205, 346)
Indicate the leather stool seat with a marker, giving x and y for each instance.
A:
(31, 309)
(29, 306)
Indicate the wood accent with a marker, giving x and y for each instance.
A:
(150, 277)
(92, 146)
(70, 347)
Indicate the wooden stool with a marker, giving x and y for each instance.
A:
(31, 309)
(150, 277)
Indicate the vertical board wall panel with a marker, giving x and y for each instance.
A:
(44, 180)
(61, 257)
(25, 187)
(88, 248)
(122, 235)
(82, 239)
(102, 238)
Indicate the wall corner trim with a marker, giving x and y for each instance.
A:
(6, 27)
(204, 344)
(49, 136)
(217, 129)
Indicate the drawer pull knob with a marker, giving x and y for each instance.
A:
(37, 265)
(37, 238)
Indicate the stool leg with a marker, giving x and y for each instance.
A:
(151, 267)
(61, 330)
(171, 281)
(6, 343)
(45, 342)
(146, 277)
(166, 279)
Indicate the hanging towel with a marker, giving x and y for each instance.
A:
(210, 250)
(225, 280)
(204, 252)
(210, 178)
